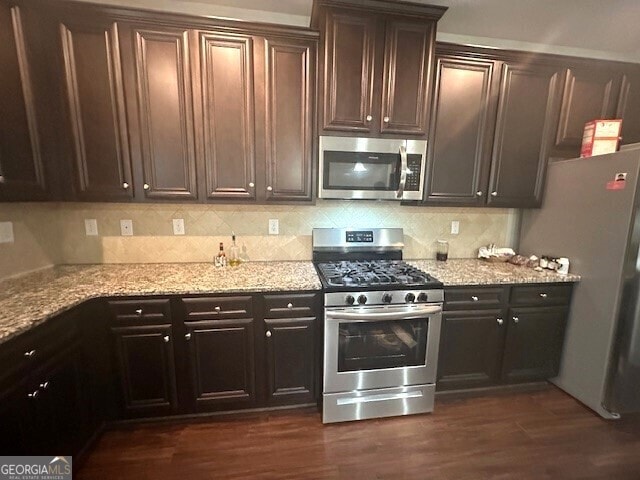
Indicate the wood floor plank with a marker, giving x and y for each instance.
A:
(538, 435)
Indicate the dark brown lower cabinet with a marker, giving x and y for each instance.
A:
(534, 343)
(146, 369)
(471, 347)
(221, 364)
(16, 437)
(290, 360)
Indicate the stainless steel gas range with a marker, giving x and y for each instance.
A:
(382, 322)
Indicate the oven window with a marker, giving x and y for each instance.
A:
(379, 345)
(361, 171)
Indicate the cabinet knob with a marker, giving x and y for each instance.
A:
(500, 321)
(386, 119)
(494, 194)
(543, 295)
(289, 305)
(187, 336)
(30, 353)
(474, 298)
(166, 339)
(33, 394)
(146, 186)
(125, 185)
(516, 319)
(268, 334)
(269, 188)
(1, 178)
(369, 118)
(217, 309)
(139, 311)
(251, 184)
(44, 385)
(479, 193)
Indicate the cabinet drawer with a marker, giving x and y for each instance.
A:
(211, 308)
(292, 305)
(141, 312)
(541, 295)
(474, 297)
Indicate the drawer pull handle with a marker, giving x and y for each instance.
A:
(543, 295)
(474, 298)
(289, 305)
(139, 311)
(217, 309)
(166, 339)
(44, 385)
(500, 321)
(30, 353)
(268, 334)
(516, 319)
(33, 394)
(187, 336)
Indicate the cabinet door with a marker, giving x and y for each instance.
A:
(146, 368)
(290, 363)
(349, 50)
(629, 106)
(588, 94)
(16, 419)
(527, 110)
(408, 56)
(290, 93)
(471, 347)
(21, 166)
(92, 69)
(460, 135)
(534, 343)
(227, 106)
(165, 103)
(222, 363)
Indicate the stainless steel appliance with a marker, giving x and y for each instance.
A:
(381, 326)
(591, 215)
(371, 168)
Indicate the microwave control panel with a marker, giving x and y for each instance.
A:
(414, 164)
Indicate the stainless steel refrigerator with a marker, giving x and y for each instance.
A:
(591, 215)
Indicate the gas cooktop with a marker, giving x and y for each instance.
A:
(374, 275)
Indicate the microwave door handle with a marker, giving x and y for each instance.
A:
(403, 171)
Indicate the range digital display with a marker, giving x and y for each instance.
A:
(360, 236)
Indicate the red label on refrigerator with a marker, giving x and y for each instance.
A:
(616, 184)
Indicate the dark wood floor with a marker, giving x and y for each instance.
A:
(540, 435)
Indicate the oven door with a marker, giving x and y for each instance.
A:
(379, 347)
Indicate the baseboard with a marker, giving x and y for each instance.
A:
(494, 390)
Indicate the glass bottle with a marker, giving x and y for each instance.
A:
(220, 260)
(234, 252)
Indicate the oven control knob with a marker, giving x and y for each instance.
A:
(349, 299)
(410, 298)
(386, 298)
(423, 297)
(362, 299)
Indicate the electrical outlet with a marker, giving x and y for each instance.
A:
(274, 226)
(455, 227)
(126, 228)
(178, 226)
(91, 227)
(6, 232)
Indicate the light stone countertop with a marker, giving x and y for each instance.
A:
(33, 298)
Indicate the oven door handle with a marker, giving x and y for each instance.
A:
(408, 314)
(404, 165)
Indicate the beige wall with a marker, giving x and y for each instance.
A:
(54, 233)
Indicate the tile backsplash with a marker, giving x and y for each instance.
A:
(55, 232)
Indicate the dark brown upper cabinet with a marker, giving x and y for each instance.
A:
(88, 51)
(589, 93)
(290, 95)
(629, 105)
(527, 110)
(460, 133)
(377, 59)
(22, 171)
(226, 104)
(158, 70)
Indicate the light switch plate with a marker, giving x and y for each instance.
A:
(6, 232)
(455, 227)
(274, 226)
(178, 226)
(126, 228)
(91, 227)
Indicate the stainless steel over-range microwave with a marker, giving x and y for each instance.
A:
(371, 168)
